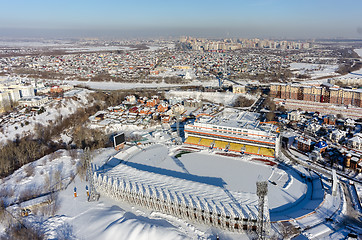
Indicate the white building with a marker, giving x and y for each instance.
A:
(237, 132)
(294, 116)
(337, 135)
(356, 141)
(15, 92)
(33, 101)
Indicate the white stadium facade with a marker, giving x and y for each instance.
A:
(237, 132)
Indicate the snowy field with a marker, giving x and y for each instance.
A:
(356, 74)
(122, 85)
(359, 52)
(314, 70)
(35, 43)
(234, 174)
(68, 46)
(94, 49)
(226, 98)
(106, 219)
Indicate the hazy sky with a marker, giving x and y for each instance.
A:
(234, 18)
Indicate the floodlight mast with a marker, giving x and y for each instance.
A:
(261, 192)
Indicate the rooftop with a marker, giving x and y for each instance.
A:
(239, 119)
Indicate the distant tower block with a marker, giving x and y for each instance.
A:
(261, 192)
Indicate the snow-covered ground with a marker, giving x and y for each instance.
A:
(123, 85)
(233, 174)
(314, 70)
(323, 70)
(77, 218)
(94, 49)
(54, 109)
(226, 98)
(356, 74)
(187, 73)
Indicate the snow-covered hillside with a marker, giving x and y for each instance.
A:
(76, 218)
(21, 124)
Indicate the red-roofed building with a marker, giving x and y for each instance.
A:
(151, 103)
(133, 110)
(162, 107)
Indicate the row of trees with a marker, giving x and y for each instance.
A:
(349, 66)
(242, 101)
(15, 154)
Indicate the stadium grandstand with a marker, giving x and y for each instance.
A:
(235, 132)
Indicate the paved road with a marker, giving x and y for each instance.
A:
(352, 218)
(358, 74)
(306, 164)
(317, 167)
(258, 104)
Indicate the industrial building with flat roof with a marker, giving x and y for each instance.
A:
(235, 132)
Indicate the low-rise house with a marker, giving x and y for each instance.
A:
(142, 100)
(239, 89)
(162, 107)
(329, 119)
(294, 116)
(133, 110)
(145, 111)
(349, 123)
(312, 128)
(288, 139)
(315, 156)
(356, 163)
(193, 103)
(355, 142)
(56, 89)
(151, 102)
(336, 135)
(178, 108)
(175, 100)
(131, 99)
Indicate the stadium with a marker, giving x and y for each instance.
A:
(195, 181)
